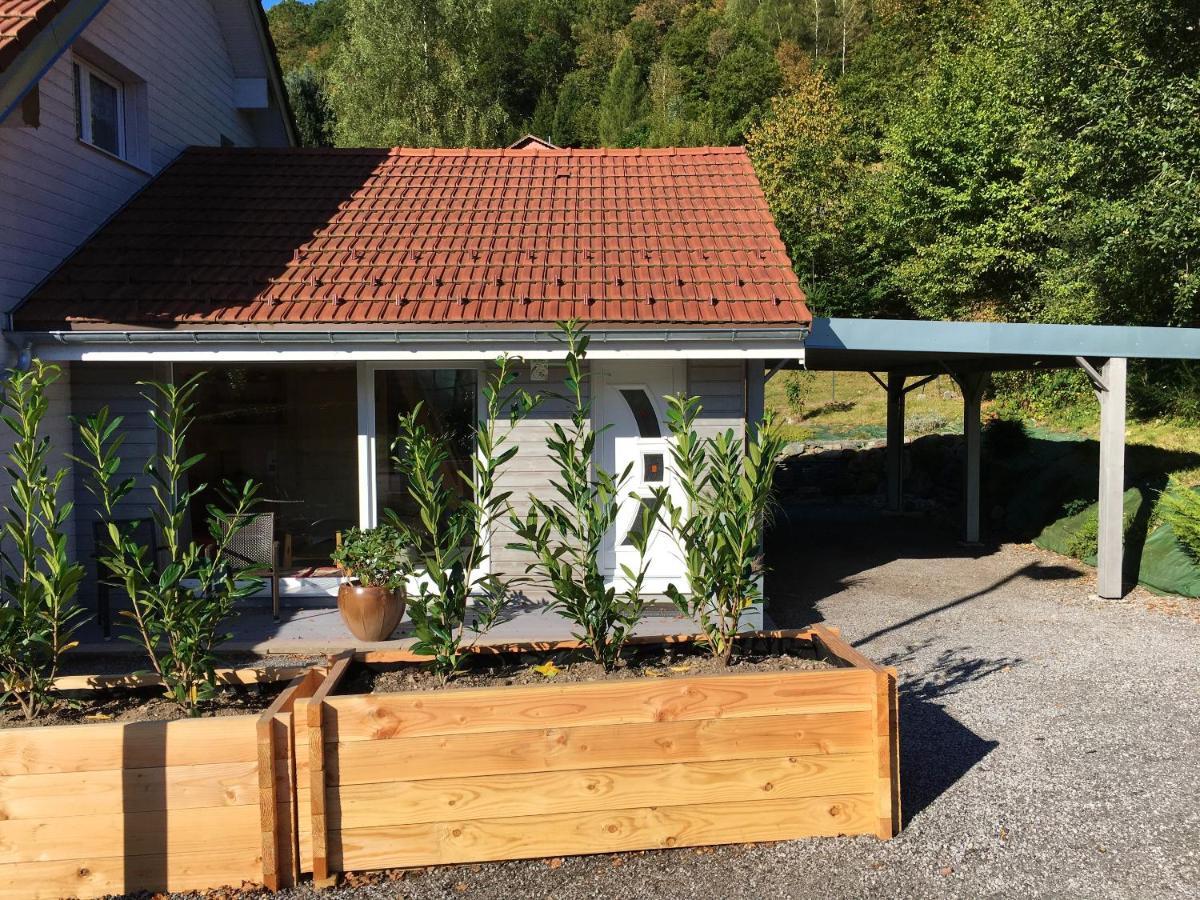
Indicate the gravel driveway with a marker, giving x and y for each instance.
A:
(1050, 744)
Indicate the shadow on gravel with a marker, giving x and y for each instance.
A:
(936, 750)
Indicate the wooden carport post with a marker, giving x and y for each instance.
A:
(1109, 385)
(895, 441)
(1111, 538)
(972, 385)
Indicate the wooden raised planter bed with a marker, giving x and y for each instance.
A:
(471, 775)
(324, 783)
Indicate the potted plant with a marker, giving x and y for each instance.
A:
(375, 562)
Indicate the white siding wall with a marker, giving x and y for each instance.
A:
(55, 191)
(531, 470)
(720, 386)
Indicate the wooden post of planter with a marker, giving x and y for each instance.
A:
(275, 747)
(312, 710)
(887, 729)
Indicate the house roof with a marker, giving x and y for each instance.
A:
(383, 237)
(20, 22)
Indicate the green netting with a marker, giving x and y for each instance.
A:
(1159, 562)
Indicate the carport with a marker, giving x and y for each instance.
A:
(902, 355)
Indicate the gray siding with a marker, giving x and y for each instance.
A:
(531, 470)
(721, 387)
(55, 190)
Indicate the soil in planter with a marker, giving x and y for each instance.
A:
(645, 661)
(144, 705)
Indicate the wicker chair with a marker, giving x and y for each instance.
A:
(254, 544)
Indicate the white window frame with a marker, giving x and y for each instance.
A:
(369, 446)
(83, 100)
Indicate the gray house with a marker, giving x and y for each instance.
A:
(325, 292)
(96, 98)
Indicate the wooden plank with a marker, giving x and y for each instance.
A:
(134, 745)
(312, 709)
(222, 864)
(600, 832)
(225, 676)
(502, 709)
(130, 791)
(832, 639)
(141, 834)
(888, 754)
(274, 739)
(588, 747)
(627, 787)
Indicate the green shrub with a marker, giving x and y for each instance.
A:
(38, 612)
(1005, 437)
(794, 390)
(926, 423)
(1180, 507)
(377, 557)
(565, 531)
(728, 493)
(180, 600)
(1084, 543)
(450, 545)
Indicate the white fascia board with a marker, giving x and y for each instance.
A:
(425, 348)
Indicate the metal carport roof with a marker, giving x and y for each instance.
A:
(907, 353)
(920, 347)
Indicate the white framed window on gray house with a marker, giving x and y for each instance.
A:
(100, 109)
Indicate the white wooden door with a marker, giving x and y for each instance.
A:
(629, 400)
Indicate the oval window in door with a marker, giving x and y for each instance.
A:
(637, 529)
(643, 412)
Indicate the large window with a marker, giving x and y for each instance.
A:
(448, 407)
(291, 428)
(99, 109)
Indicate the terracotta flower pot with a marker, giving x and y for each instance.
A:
(371, 613)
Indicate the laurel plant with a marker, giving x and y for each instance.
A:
(38, 612)
(450, 544)
(565, 530)
(179, 601)
(727, 494)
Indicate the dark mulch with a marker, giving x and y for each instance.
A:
(652, 661)
(143, 705)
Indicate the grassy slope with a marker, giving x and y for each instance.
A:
(850, 405)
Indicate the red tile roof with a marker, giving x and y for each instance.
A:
(433, 237)
(20, 22)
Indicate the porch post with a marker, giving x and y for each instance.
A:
(366, 446)
(972, 385)
(895, 441)
(1110, 543)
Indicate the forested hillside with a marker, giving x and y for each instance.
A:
(1022, 160)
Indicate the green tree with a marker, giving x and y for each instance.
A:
(799, 152)
(743, 83)
(620, 103)
(409, 75)
(314, 116)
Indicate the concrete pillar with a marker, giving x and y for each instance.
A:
(973, 385)
(1111, 538)
(895, 442)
